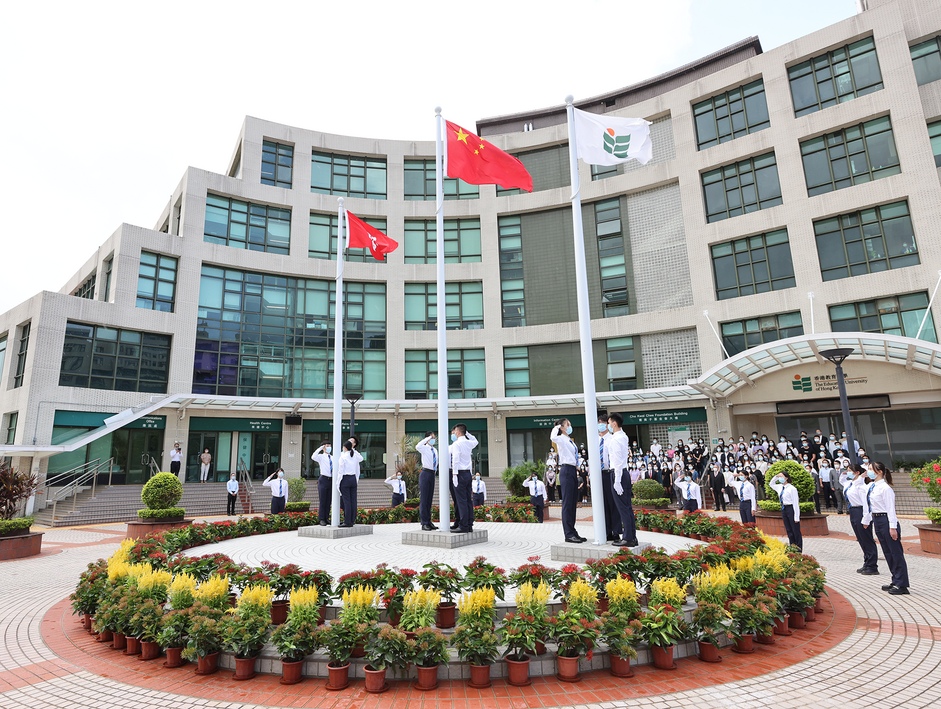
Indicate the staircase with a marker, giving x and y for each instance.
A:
(119, 503)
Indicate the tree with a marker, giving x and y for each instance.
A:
(14, 488)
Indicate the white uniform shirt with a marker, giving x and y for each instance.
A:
(568, 450)
(605, 458)
(232, 486)
(691, 491)
(879, 497)
(175, 455)
(855, 492)
(746, 493)
(461, 451)
(479, 487)
(429, 456)
(789, 496)
(656, 448)
(537, 488)
(620, 448)
(279, 486)
(349, 465)
(324, 460)
(398, 486)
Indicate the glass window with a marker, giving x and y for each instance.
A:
(742, 187)
(600, 172)
(876, 239)
(730, 115)
(466, 374)
(835, 77)
(420, 183)
(99, 357)
(277, 162)
(850, 157)
(926, 60)
(461, 241)
(21, 356)
(106, 291)
(464, 306)
(549, 168)
(11, 427)
(516, 370)
(934, 133)
(156, 282)
(756, 264)
(611, 254)
(895, 315)
(3, 353)
(622, 368)
(244, 225)
(87, 289)
(323, 239)
(511, 271)
(741, 335)
(348, 176)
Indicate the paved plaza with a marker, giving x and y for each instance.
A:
(890, 657)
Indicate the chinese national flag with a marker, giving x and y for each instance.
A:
(363, 236)
(477, 162)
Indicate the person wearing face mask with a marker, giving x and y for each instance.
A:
(699, 455)
(231, 487)
(656, 448)
(879, 511)
(479, 491)
(426, 479)
(464, 443)
(621, 481)
(716, 482)
(612, 520)
(322, 457)
(855, 494)
(537, 494)
(398, 489)
(748, 502)
(790, 508)
(690, 493)
(782, 445)
(568, 477)
(820, 475)
(279, 490)
(551, 476)
(833, 445)
(836, 488)
(347, 481)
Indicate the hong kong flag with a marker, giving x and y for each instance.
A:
(363, 236)
(477, 162)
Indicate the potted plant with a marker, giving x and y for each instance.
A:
(360, 608)
(519, 633)
(245, 631)
(419, 609)
(298, 636)
(648, 495)
(600, 571)
(389, 648)
(446, 580)
(709, 624)
(928, 479)
(481, 574)
(622, 598)
(479, 647)
(91, 584)
(297, 487)
(534, 573)
(533, 603)
(146, 625)
(620, 633)
(204, 639)
(338, 639)
(430, 651)
(749, 616)
(477, 608)
(214, 592)
(663, 625)
(174, 629)
(575, 636)
(160, 495)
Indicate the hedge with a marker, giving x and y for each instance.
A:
(162, 491)
(164, 513)
(10, 526)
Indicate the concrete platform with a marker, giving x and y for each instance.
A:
(580, 553)
(318, 532)
(444, 540)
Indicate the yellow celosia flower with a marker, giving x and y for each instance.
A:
(667, 591)
(214, 591)
(359, 597)
(121, 554)
(182, 590)
(255, 599)
(304, 598)
(135, 571)
(620, 590)
(421, 598)
(151, 579)
(532, 600)
(476, 605)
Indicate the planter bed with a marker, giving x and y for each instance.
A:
(139, 528)
(772, 523)
(930, 537)
(20, 546)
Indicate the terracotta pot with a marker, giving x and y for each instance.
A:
(359, 650)
(233, 600)
(619, 667)
(338, 677)
(427, 677)
(663, 657)
(393, 619)
(375, 680)
(568, 668)
(810, 615)
(119, 642)
(602, 604)
(86, 621)
(696, 536)
(744, 645)
(480, 677)
(517, 672)
(208, 664)
(709, 652)
(279, 611)
(540, 648)
(796, 620)
(174, 657)
(291, 672)
(323, 614)
(818, 606)
(133, 646)
(244, 668)
(780, 627)
(149, 650)
(446, 615)
(105, 636)
(764, 639)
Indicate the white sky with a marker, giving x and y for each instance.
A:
(107, 103)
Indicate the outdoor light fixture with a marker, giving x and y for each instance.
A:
(837, 356)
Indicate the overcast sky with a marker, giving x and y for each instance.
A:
(107, 103)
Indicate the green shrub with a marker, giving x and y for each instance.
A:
(514, 477)
(296, 489)
(647, 490)
(14, 488)
(297, 507)
(165, 513)
(807, 508)
(521, 500)
(655, 502)
(13, 526)
(162, 491)
(934, 514)
(800, 479)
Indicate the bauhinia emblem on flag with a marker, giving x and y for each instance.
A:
(363, 236)
(477, 162)
(609, 140)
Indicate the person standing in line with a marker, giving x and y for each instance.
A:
(748, 501)
(279, 491)
(398, 489)
(478, 491)
(348, 481)
(464, 443)
(231, 487)
(836, 489)
(612, 520)
(452, 487)
(716, 482)
(822, 473)
(621, 481)
(176, 456)
(205, 459)
(690, 492)
(426, 479)
(880, 513)
(550, 476)
(322, 456)
(855, 495)
(790, 508)
(537, 494)
(568, 477)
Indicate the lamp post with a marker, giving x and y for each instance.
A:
(837, 356)
(353, 398)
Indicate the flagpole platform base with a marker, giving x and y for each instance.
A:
(443, 540)
(319, 532)
(580, 553)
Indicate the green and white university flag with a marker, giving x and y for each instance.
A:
(608, 140)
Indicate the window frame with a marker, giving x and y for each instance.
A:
(352, 255)
(512, 291)
(760, 327)
(158, 278)
(512, 357)
(737, 179)
(352, 164)
(825, 63)
(454, 188)
(867, 310)
(273, 148)
(615, 297)
(21, 353)
(722, 108)
(12, 420)
(614, 347)
(747, 244)
(119, 347)
(936, 49)
(429, 359)
(454, 240)
(455, 292)
(87, 289)
(253, 215)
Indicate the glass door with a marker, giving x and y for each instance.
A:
(198, 442)
(266, 454)
(142, 446)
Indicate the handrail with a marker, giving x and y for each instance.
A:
(75, 486)
(77, 470)
(245, 485)
(152, 466)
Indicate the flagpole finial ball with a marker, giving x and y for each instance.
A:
(569, 99)
(340, 201)
(437, 110)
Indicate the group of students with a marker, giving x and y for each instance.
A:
(344, 472)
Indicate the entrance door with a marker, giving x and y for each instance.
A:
(198, 442)
(142, 445)
(266, 454)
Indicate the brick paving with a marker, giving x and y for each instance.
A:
(889, 653)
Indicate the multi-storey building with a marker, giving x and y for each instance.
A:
(792, 204)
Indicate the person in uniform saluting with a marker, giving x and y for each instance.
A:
(568, 477)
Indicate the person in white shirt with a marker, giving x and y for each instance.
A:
(879, 511)
(783, 445)
(568, 477)
(855, 494)
(279, 491)
(398, 489)
(551, 476)
(176, 455)
(748, 501)
(612, 519)
(537, 494)
(204, 462)
(790, 508)
(690, 492)
(621, 480)
(426, 479)
(322, 457)
(655, 448)
(478, 491)
(463, 444)
(347, 475)
(231, 487)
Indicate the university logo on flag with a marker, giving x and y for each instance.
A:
(617, 145)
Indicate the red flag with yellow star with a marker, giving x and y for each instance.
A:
(477, 162)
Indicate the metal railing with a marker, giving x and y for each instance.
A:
(82, 475)
(246, 488)
(148, 462)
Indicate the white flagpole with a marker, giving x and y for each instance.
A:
(444, 437)
(584, 336)
(338, 372)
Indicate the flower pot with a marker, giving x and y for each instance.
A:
(323, 614)
(291, 672)
(539, 648)
(780, 627)
(105, 636)
(279, 611)
(393, 619)
(86, 621)
(744, 645)
(233, 600)
(709, 652)
(818, 605)
(359, 650)
(663, 657)
(517, 672)
(446, 615)
(619, 667)
(244, 668)
(427, 677)
(602, 604)
(133, 646)
(119, 642)
(208, 664)
(568, 668)
(174, 657)
(480, 676)
(697, 537)
(764, 639)
(810, 615)
(796, 620)
(375, 680)
(149, 650)
(338, 677)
